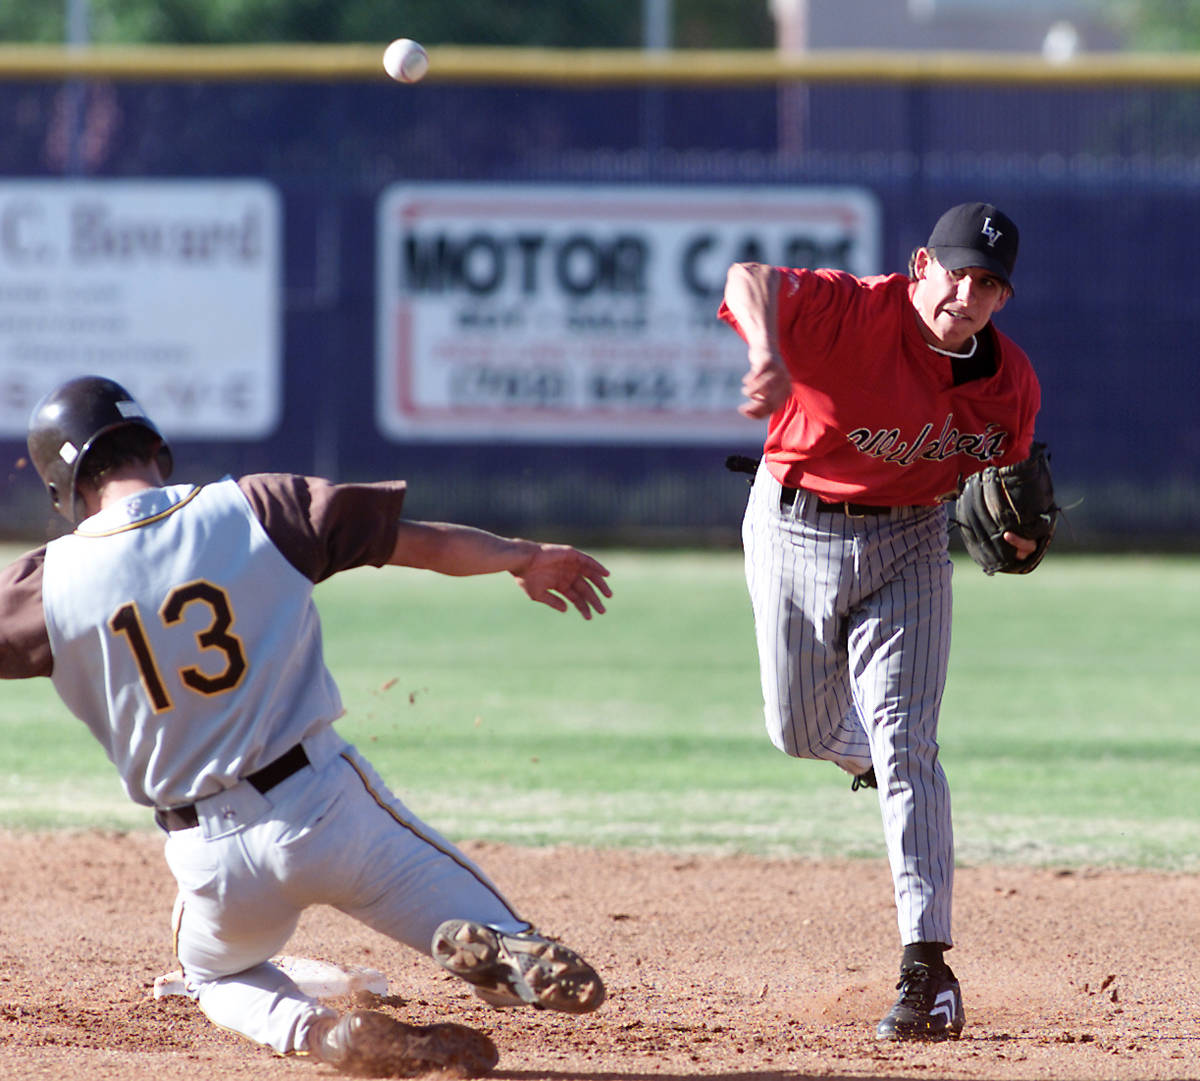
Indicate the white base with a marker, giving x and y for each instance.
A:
(320, 979)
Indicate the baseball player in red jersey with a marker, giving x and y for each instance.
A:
(177, 623)
(882, 394)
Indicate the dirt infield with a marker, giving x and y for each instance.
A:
(717, 967)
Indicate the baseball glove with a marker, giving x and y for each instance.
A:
(1016, 498)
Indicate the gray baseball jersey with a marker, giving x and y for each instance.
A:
(179, 625)
(193, 653)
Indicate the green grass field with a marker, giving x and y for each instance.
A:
(1068, 731)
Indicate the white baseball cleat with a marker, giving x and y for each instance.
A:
(517, 970)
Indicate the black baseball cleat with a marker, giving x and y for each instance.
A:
(367, 1043)
(930, 1006)
(517, 970)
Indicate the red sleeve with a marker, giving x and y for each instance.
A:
(24, 643)
(727, 317)
(322, 528)
(800, 289)
(818, 308)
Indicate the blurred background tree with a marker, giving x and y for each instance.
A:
(1161, 25)
(734, 24)
(1153, 25)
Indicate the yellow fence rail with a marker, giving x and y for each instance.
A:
(318, 63)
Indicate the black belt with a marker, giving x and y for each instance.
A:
(787, 496)
(185, 817)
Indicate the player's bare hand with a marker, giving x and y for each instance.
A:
(1025, 548)
(559, 575)
(766, 387)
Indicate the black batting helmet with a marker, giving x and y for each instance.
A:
(67, 422)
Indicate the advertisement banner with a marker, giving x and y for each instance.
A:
(172, 288)
(530, 312)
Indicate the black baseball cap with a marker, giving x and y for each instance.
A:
(976, 234)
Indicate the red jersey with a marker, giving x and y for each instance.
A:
(874, 415)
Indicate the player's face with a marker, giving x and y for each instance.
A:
(952, 305)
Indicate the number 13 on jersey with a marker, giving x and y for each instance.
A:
(126, 622)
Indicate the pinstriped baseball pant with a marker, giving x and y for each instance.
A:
(852, 619)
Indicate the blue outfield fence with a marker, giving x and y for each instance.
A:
(1099, 164)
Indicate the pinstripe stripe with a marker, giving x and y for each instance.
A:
(852, 620)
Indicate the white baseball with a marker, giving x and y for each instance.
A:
(405, 60)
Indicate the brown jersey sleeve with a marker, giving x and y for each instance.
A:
(24, 642)
(322, 528)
